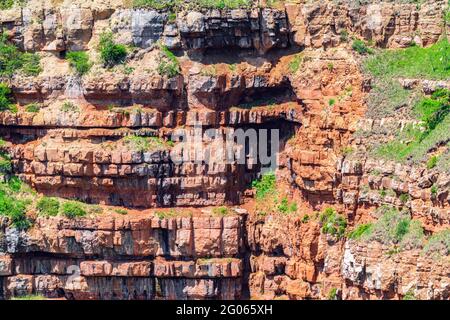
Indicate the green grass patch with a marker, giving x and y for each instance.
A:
(138, 143)
(6, 102)
(79, 61)
(361, 47)
(47, 206)
(121, 211)
(29, 297)
(111, 53)
(361, 231)
(12, 206)
(69, 107)
(168, 65)
(265, 185)
(412, 62)
(295, 64)
(32, 108)
(73, 209)
(396, 227)
(332, 223)
(12, 60)
(287, 207)
(438, 244)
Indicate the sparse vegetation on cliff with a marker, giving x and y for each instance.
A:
(393, 227)
(111, 53)
(142, 144)
(438, 244)
(79, 61)
(333, 223)
(73, 209)
(414, 142)
(14, 205)
(12, 60)
(47, 206)
(168, 65)
(178, 4)
(413, 62)
(265, 185)
(5, 98)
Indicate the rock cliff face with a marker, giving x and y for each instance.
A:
(288, 67)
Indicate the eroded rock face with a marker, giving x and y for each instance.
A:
(290, 69)
(142, 257)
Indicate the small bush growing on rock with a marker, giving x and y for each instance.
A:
(31, 64)
(332, 223)
(168, 65)
(6, 4)
(142, 144)
(48, 206)
(361, 47)
(14, 209)
(73, 209)
(432, 162)
(12, 60)
(220, 211)
(438, 245)
(396, 227)
(5, 98)
(332, 295)
(434, 190)
(121, 211)
(69, 107)
(344, 35)
(79, 61)
(5, 159)
(111, 53)
(295, 64)
(404, 197)
(32, 108)
(361, 231)
(286, 207)
(266, 185)
(409, 295)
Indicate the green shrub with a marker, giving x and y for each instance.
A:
(332, 223)
(111, 53)
(344, 35)
(12, 60)
(361, 231)
(32, 107)
(15, 210)
(5, 97)
(332, 295)
(396, 227)
(305, 218)
(5, 163)
(69, 107)
(361, 47)
(434, 190)
(220, 211)
(295, 64)
(79, 61)
(168, 65)
(15, 184)
(48, 206)
(409, 295)
(121, 211)
(432, 162)
(286, 207)
(412, 62)
(438, 244)
(31, 64)
(142, 144)
(404, 197)
(6, 4)
(154, 4)
(265, 186)
(73, 209)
